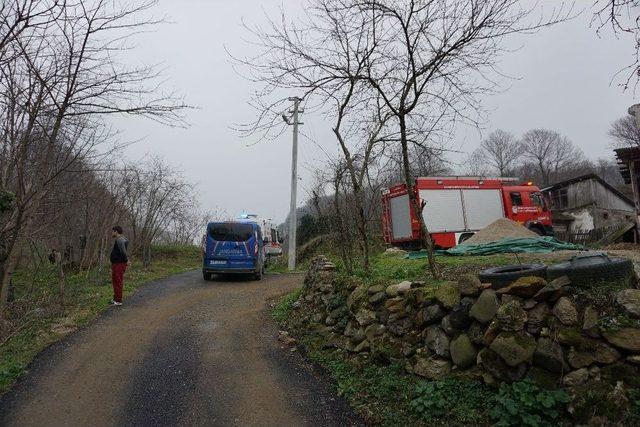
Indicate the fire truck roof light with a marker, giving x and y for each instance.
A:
(529, 183)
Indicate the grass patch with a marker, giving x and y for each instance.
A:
(282, 310)
(390, 268)
(386, 395)
(37, 318)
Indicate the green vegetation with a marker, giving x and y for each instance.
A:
(388, 268)
(386, 395)
(381, 394)
(524, 403)
(451, 401)
(38, 317)
(282, 310)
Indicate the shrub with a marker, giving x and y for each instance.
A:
(524, 403)
(460, 401)
(282, 310)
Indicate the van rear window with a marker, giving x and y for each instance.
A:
(231, 232)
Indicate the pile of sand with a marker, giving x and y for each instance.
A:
(501, 229)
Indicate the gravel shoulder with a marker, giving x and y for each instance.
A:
(182, 351)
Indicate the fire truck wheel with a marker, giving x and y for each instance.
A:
(503, 276)
(537, 229)
(465, 237)
(592, 268)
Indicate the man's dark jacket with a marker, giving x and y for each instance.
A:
(119, 252)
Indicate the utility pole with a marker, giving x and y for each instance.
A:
(294, 179)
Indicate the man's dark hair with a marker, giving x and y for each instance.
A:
(117, 229)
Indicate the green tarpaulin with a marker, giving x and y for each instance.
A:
(517, 245)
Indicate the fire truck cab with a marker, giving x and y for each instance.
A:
(454, 208)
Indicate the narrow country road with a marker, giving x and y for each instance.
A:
(182, 351)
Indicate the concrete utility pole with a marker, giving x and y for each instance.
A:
(294, 180)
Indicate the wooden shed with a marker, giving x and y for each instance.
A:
(591, 208)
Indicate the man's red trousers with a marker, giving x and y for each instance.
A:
(117, 279)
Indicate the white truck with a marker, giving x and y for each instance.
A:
(271, 236)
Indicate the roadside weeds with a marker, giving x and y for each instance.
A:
(39, 320)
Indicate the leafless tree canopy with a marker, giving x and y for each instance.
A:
(404, 71)
(499, 151)
(622, 17)
(61, 74)
(542, 156)
(549, 152)
(625, 133)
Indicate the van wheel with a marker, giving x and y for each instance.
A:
(207, 276)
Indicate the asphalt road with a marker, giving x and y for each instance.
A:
(181, 351)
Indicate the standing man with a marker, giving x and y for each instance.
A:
(119, 263)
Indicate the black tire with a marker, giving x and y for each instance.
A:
(538, 230)
(502, 276)
(464, 237)
(586, 270)
(207, 276)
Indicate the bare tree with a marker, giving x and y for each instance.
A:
(432, 62)
(418, 66)
(500, 150)
(550, 153)
(472, 167)
(58, 80)
(622, 17)
(157, 197)
(625, 133)
(325, 59)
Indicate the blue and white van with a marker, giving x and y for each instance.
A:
(233, 247)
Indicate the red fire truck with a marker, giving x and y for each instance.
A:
(454, 208)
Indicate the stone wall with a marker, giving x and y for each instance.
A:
(550, 332)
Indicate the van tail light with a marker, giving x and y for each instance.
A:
(255, 247)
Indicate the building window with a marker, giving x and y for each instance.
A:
(516, 199)
(560, 199)
(605, 215)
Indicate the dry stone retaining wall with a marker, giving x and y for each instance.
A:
(531, 328)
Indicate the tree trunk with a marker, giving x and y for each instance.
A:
(342, 236)
(61, 280)
(427, 242)
(7, 265)
(5, 276)
(362, 227)
(146, 255)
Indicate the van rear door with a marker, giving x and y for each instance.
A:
(231, 245)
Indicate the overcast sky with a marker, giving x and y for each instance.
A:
(564, 82)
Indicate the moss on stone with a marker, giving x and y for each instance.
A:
(620, 372)
(573, 337)
(592, 400)
(544, 378)
(447, 294)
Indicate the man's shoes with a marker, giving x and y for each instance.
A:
(116, 303)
